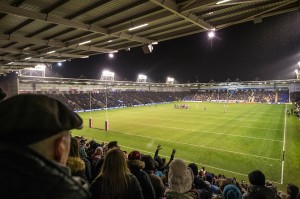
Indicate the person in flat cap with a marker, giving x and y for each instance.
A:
(35, 143)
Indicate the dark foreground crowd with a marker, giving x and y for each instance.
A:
(41, 159)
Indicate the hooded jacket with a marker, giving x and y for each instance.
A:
(135, 167)
(77, 167)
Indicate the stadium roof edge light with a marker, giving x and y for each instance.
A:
(137, 27)
(85, 42)
(223, 1)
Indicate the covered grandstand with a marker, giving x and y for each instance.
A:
(77, 93)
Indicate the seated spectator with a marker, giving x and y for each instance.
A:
(74, 162)
(202, 186)
(97, 155)
(292, 191)
(115, 180)
(2, 94)
(35, 143)
(135, 166)
(157, 183)
(257, 189)
(180, 180)
(231, 192)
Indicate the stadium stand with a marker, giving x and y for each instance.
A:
(81, 101)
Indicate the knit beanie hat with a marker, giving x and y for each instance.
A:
(180, 178)
(231, 192)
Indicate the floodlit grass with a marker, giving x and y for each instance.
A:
(245, 138)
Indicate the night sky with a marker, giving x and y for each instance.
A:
(248, 51)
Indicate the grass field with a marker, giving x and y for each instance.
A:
(245, 138)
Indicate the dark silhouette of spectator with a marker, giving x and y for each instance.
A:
(257, 189)
(115, 180)
(292, 191)
(2, 95)
(198, 183)
(74, 162)
(135, 166)
(35, 143)
(157, 183)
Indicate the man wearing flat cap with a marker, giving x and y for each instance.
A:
(34, 147)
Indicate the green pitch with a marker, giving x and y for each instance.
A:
(234, 143)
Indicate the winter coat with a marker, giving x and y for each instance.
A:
(135, 167)
(133, 191)
(192, 194)
(157, 184)
(26, 174)
(258, 192)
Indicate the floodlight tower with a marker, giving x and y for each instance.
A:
(170, 80)
(297, 73)
(107, 76)
(142, 78)
(38, 70)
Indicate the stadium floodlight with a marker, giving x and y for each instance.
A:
(111, 55)
(59, 63)
(211, 34)
(170, 80)
(223, 1)
(137, 27)
(297, 74)
(38, 70)
(107, 76)
(142, 78)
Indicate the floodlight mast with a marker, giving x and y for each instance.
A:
(297, 74)
(170, 80)
(91, 119)
(106, 76)
(38, 70)
(142, 78)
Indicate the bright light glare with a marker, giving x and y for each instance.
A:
(142, 77)
(211, 34)
(170, 79)
(85, 42)
(110, 55)
(107, 73)
(137, 27)
(223, 1)
(296, 71)
(299, 63)
(50, 52)
(59, 64)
